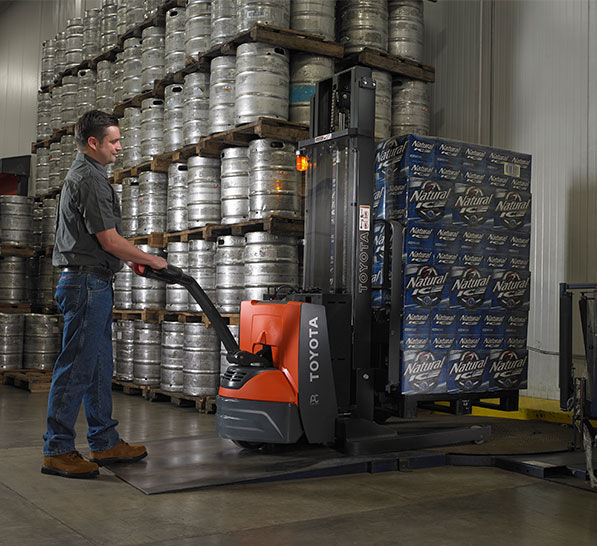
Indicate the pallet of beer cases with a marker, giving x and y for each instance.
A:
(466, 215)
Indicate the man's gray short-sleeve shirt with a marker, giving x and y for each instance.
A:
(88, 205)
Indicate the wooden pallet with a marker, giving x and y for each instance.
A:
(50, 194)
(128, 387)
(108, 55)
(161, 315)
(380, 60)
(242, 135)
(45, 309)
(158, 164)
(156, 240)
(9, 249)
(6, 307)
(31, 380)
(133, 102)
(146, 315)
(203, 404)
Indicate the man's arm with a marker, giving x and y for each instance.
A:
(114, 243)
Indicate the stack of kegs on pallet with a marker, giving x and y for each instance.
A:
(243, 183)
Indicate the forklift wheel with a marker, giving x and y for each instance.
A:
(253, 446)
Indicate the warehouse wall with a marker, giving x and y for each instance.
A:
(24, 25)
(522, 74)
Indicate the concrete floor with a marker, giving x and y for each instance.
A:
(441, 506)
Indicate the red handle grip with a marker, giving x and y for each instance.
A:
(139, 269)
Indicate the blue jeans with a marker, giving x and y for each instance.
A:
(83, 370)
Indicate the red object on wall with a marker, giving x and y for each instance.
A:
(8, 184)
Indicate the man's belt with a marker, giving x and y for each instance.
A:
(97, 270)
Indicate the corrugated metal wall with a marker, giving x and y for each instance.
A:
(24, 25)
(522, 74)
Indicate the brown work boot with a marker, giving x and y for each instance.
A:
(69, 465)
(120, 453)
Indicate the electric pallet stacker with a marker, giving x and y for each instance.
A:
(310, 365)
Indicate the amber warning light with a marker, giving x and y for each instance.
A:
(301, 163)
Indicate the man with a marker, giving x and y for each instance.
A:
(89, 248)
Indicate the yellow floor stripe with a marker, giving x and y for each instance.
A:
(530, 409)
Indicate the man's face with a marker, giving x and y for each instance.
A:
(104, 151)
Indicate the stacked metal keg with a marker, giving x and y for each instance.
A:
(153, 202)
(197, 27)
(104, 90)
(60, 55)
(203, 180)
(135, 13)
(86, 89)
(223, 21)
(362, 23)
(125, 349)
(305, 71)
(151, 8)
(11, 341)
(406, 29)
(314, 16)
(148, 293)
(202, 269)
(273, 179)
(230, 273)
(47, 280)
(132, 67)
(221, 94)
(121, 13)
(271, 262)
(118, 77)
(262, 79)
(54, 164)
(234, 330)
(74, 42)
(37, 217)
(91, 33)
(16, 219)
(44, 116)
(68, 97)
(152, 56)
(174, 46)
(177, 215)
(68, 152)
(234, 178)
(48, 60)
(152, 128)
(196, 107)
(55, 116)
(130, 206)
(147, 353)
(410, 107)
(43, 334)
(268, 12)
(48, 222)
(173, 356)
(108, 25)
(177, 297)
(130, 137)
(383, 103)
(42, 171)
(201, 364)
(123, 288)
(173, 117)
(13, 279)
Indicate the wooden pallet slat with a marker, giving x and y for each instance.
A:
(32, 380)
(382, 60)
(9, 249)
(7, 307)
(133, 102)
(128, 387)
